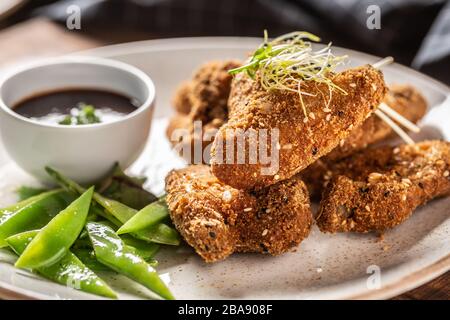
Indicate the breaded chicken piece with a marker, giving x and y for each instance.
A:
(204, 98)
(380, 188)
(402, 98)
(181, 100)
(300, 143)
(193, 141)
(217, 220)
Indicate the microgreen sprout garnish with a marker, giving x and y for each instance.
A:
(287, 61)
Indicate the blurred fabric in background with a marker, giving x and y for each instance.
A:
(415, 32)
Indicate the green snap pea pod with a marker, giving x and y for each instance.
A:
(17, 206)
(101, 213)
(68, 271)
(21, 204)
(92, 216)
(146, 250)
(25, 192)
(146, 217)
(84, 233)
(113, 252)
(55, 239)
(125, 189)
(120, 211)
(33, 213)
(87, 256)
(160, 233)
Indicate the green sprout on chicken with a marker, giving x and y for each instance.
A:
(287, 61)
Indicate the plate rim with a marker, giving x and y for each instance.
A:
(226, 42)
(404, 284)
(422, 277)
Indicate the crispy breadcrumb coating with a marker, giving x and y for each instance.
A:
(300, 142)
(181, 100)
(380, 188)
(402, 98)
(203, 98)
(217, 220)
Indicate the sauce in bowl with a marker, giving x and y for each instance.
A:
(76, 106)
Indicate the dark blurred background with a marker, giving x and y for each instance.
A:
(415, 32)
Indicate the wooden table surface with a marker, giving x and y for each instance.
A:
(42, 38)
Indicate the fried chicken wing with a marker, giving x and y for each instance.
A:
(203, 99)
(402, 98)
(181, 100)
(217, 220)
(380, 188)
(300, 143)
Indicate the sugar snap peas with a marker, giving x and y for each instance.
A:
(55, 239)
(146, 217)
(69, 270)
(87, 256)
(33, 213)
(99, 211)
(25, 192)
(118, 212)
(112, 251)
(146, 250)
(125, 189)
(14, 207)
(159, 233)
(57, 248)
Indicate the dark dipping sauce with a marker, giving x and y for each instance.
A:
(53, 107)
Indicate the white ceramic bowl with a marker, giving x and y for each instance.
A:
(85, 153)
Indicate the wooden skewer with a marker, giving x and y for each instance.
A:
(394, 127)
(398, 117)
(384, 111)
(383, 62)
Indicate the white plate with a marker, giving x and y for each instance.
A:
(323, 267)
